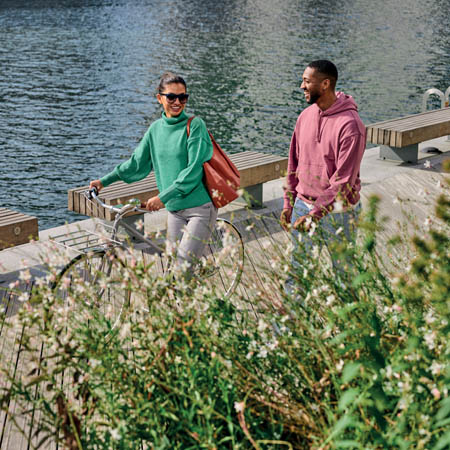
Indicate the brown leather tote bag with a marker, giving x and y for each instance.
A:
(222, 179)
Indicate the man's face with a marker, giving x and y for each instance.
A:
(312, 85)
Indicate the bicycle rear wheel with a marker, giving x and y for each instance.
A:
(225, 259)
(96, 278)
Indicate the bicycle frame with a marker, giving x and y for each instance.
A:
(120, 214)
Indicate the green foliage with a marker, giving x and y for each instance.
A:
(357, 358)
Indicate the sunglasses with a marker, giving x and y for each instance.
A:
(172, 97)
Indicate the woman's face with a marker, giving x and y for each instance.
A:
(173, 107)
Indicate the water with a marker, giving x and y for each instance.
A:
(78, 78)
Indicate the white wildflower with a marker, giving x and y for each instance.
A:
(339, 230)
(340, 365)
(94, 363)
(436, 368)
(262, 353)
(25, 275)
(430, 318)
(435, 393)
(429, 340)
(115, 434)
(262, 326)
(330, 299)
(427, 222)
(338, 206)
(312, 228)
(239, 406)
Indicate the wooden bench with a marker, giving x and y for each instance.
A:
(16, 228)
(399, 138)
(255, 168)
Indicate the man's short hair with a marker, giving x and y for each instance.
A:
(327, 69)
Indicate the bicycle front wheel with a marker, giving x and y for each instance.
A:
(94, 281)
(224, 258)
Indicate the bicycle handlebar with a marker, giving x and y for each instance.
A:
(92, 194)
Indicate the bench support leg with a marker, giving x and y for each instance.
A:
(404, 154)
(253, 196)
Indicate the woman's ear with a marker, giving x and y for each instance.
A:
(158, 97)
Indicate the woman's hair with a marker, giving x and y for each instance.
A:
(169, 78)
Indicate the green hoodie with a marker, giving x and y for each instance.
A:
(177, 161)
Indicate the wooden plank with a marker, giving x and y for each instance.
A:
(17, 228)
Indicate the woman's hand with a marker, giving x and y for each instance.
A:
(154, 204)
(97, 184)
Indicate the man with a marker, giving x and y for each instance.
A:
(323, 184)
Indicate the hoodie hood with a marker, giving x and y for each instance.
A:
(344, 103)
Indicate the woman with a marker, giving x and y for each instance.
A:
(178, 164)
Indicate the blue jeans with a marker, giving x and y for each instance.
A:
(327, 231)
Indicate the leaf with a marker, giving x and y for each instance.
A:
(444, 411)
(342, 424)
(347, 398)
(350, 371)
(347, 444)
(444, 442)
(361, 279)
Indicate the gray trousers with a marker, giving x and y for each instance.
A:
(190, 229)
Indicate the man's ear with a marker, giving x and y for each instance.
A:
(326, 83)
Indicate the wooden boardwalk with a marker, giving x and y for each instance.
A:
(410, 194)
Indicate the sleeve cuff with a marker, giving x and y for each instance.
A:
(167, 194)
(112, 177)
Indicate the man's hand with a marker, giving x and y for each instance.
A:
(285, 219)
(97, 184)
(303, 223)
(154, 204)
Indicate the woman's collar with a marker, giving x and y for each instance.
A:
(173, 120)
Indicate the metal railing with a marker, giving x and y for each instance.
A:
(433, 91)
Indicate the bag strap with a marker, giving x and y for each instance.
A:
(188, 129)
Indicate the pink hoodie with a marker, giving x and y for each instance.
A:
(325, 156)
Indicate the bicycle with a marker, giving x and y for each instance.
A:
(99, 267)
